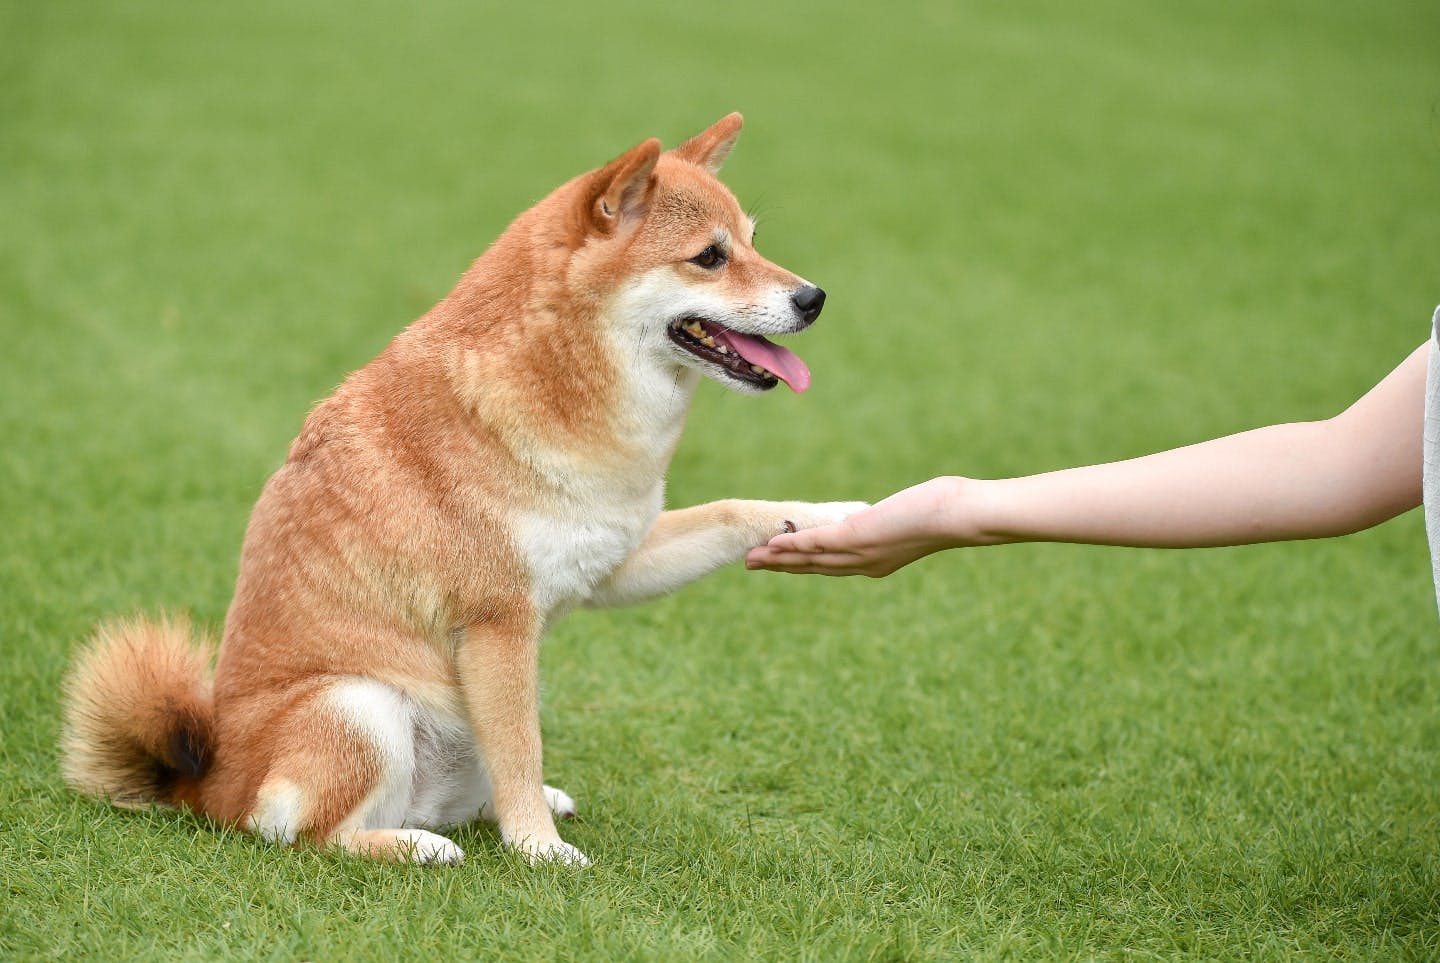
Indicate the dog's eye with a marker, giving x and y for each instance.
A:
(711, 257)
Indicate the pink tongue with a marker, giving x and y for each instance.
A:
(781, 362)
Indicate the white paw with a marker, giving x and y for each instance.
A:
(560, 802)
(557, 851)
(802, 515)
(423, 847)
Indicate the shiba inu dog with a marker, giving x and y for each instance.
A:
(499, 464)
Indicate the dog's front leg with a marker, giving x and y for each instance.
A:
(687, 543)
(499, 668)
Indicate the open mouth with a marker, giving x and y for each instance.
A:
(745, 357)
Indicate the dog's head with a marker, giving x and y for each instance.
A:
(675, 253)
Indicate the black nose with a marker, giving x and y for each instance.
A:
(808, 301)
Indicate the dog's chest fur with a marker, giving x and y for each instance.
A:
(575, 545)
(595, 515)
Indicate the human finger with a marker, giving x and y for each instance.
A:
(805, 540)
(827, 563)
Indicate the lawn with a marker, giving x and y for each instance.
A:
(1051, 233)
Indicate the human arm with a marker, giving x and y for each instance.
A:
(1299, 480)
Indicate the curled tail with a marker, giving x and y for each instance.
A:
(139, 718)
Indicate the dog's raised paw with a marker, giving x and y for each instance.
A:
(802, 515)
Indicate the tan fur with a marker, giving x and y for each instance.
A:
(138, 702)
(501, 461)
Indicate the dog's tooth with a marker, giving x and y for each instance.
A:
(723, 350)
(758, 370)
(694, 328)
(709, 342)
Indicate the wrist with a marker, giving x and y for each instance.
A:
(971, 511)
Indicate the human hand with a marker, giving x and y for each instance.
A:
(875, 542)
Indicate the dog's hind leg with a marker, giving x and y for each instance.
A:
(400, 845)
(344, 776)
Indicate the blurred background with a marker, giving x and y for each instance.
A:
(1051, 233)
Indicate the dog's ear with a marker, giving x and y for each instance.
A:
(620, 191)
(710, 147)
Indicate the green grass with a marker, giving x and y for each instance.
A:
(1052, 233)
